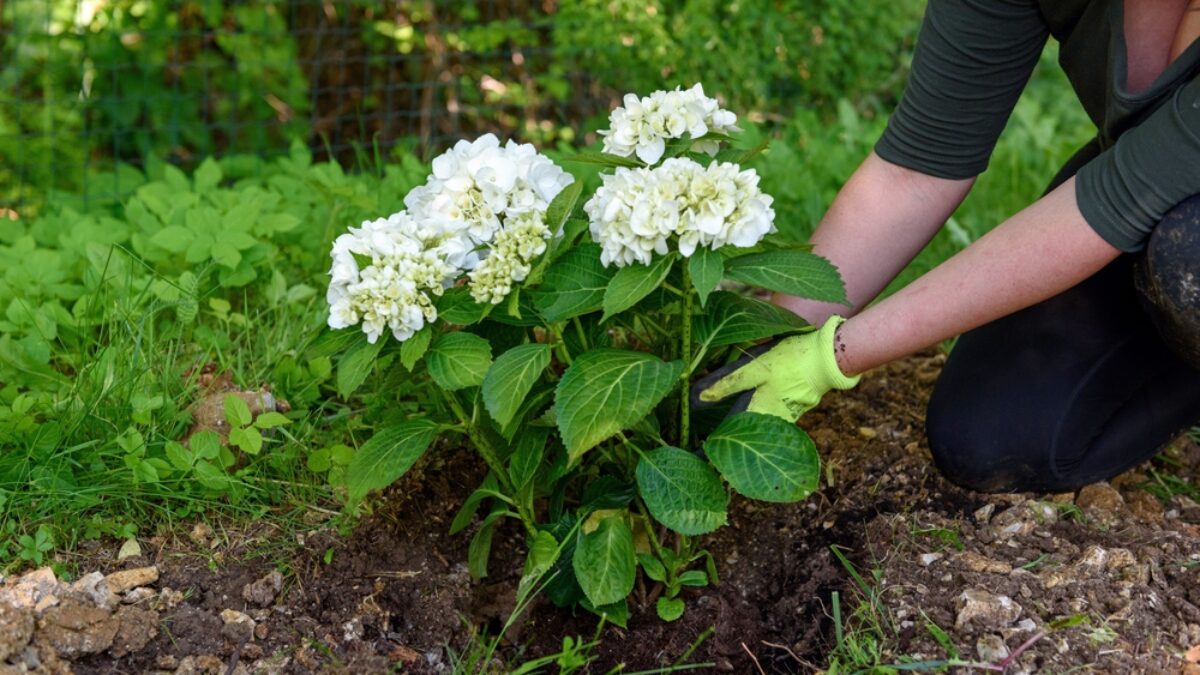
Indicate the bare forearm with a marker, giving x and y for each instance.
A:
(1038, 253)
(882, 217)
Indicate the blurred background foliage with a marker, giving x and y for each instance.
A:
(85, 84)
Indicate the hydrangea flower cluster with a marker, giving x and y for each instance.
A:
(482, 212)
(498, 196)
(644, 125)
(403, 262)
(637, 212)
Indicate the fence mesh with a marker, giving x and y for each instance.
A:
(91, 88)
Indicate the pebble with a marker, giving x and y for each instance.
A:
(991, 648)
(119, 582)
(263, 591)
(984, 565)
(984, 609)
(1102, 501)
(137, 595)
(983, 514)
(928, 559)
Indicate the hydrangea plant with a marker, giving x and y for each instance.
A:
(559, 341)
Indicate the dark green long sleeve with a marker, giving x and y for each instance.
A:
(973, 59)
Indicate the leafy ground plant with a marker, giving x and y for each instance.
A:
(565, 359)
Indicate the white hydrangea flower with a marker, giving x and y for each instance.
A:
(639, 212)
(402, 263)
(522, 239)
(642, 126)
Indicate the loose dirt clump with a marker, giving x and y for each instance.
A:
(1106, 579)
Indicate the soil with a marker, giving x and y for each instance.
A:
(1107, 579)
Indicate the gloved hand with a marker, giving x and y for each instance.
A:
(785, 378)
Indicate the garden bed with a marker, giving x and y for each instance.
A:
(1109, 576)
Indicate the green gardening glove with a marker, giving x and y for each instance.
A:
(787, 378)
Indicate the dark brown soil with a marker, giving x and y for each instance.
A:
(395, 595)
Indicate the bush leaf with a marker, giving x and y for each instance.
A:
(798, 273)
(355, 365)
(632, 283)
(459, 360)
(387, 456)
(574, 284)
(734, 318)
(511, 378)
(764, 457)
(706, 268)
(412, 349)
(607, 390)
(682, 491)
(604, 562)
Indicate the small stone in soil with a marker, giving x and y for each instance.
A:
(73, 629)
(16, 630)
(981, 608)
(263, 591)
(119, 582)
(991, 648)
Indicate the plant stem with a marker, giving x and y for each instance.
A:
(685, 408)
(481, 443)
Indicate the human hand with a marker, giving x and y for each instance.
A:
(785, 378)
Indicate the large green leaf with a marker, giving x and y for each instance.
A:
(734, 318)
(706, 268)
(764, 457)
(388, 455)
(459, 360)
(412, 349)
(356, 364)
(574, 284)
(792, 272)
(563, 205)
(604, 562)
(634, 282)
(456, 306)
(607, 390)
(682, 491)
(510, 379)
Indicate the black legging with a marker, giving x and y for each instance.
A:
(1078, 388)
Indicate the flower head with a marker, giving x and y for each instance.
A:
(642, 126)
(639, 212)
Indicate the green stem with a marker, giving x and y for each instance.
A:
(685, 408)
(481, 443)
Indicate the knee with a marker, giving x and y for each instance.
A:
(1167, 275)
(968, 452)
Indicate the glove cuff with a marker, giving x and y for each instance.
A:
(834, 377)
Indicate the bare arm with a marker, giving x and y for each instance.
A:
(1040, 252)
(882, 217)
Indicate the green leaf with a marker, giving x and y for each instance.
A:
(205, 444)
(270, 420)
(669, 609)
(607, 390)
(604, 562)
(412, 349)
(653, 567)
(511, 378)
(706, 268)
(480, 548)
(563, 205)
(208, 176)
(488, 488)
(180, 458)
(733, 318)
(543, 552)
(225, 254)
(574, 284)
(693, 578)
(764, 457)
(682, 491)
(355, 365)
(387, 456)
(615, 613)
(459, 360)
(174, 238)
(527, 457)
(634, 282)
(237, 412)
(456, 306)
(798, 273)
(603, 159)
(248, 439)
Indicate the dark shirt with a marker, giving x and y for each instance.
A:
(974, 57)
